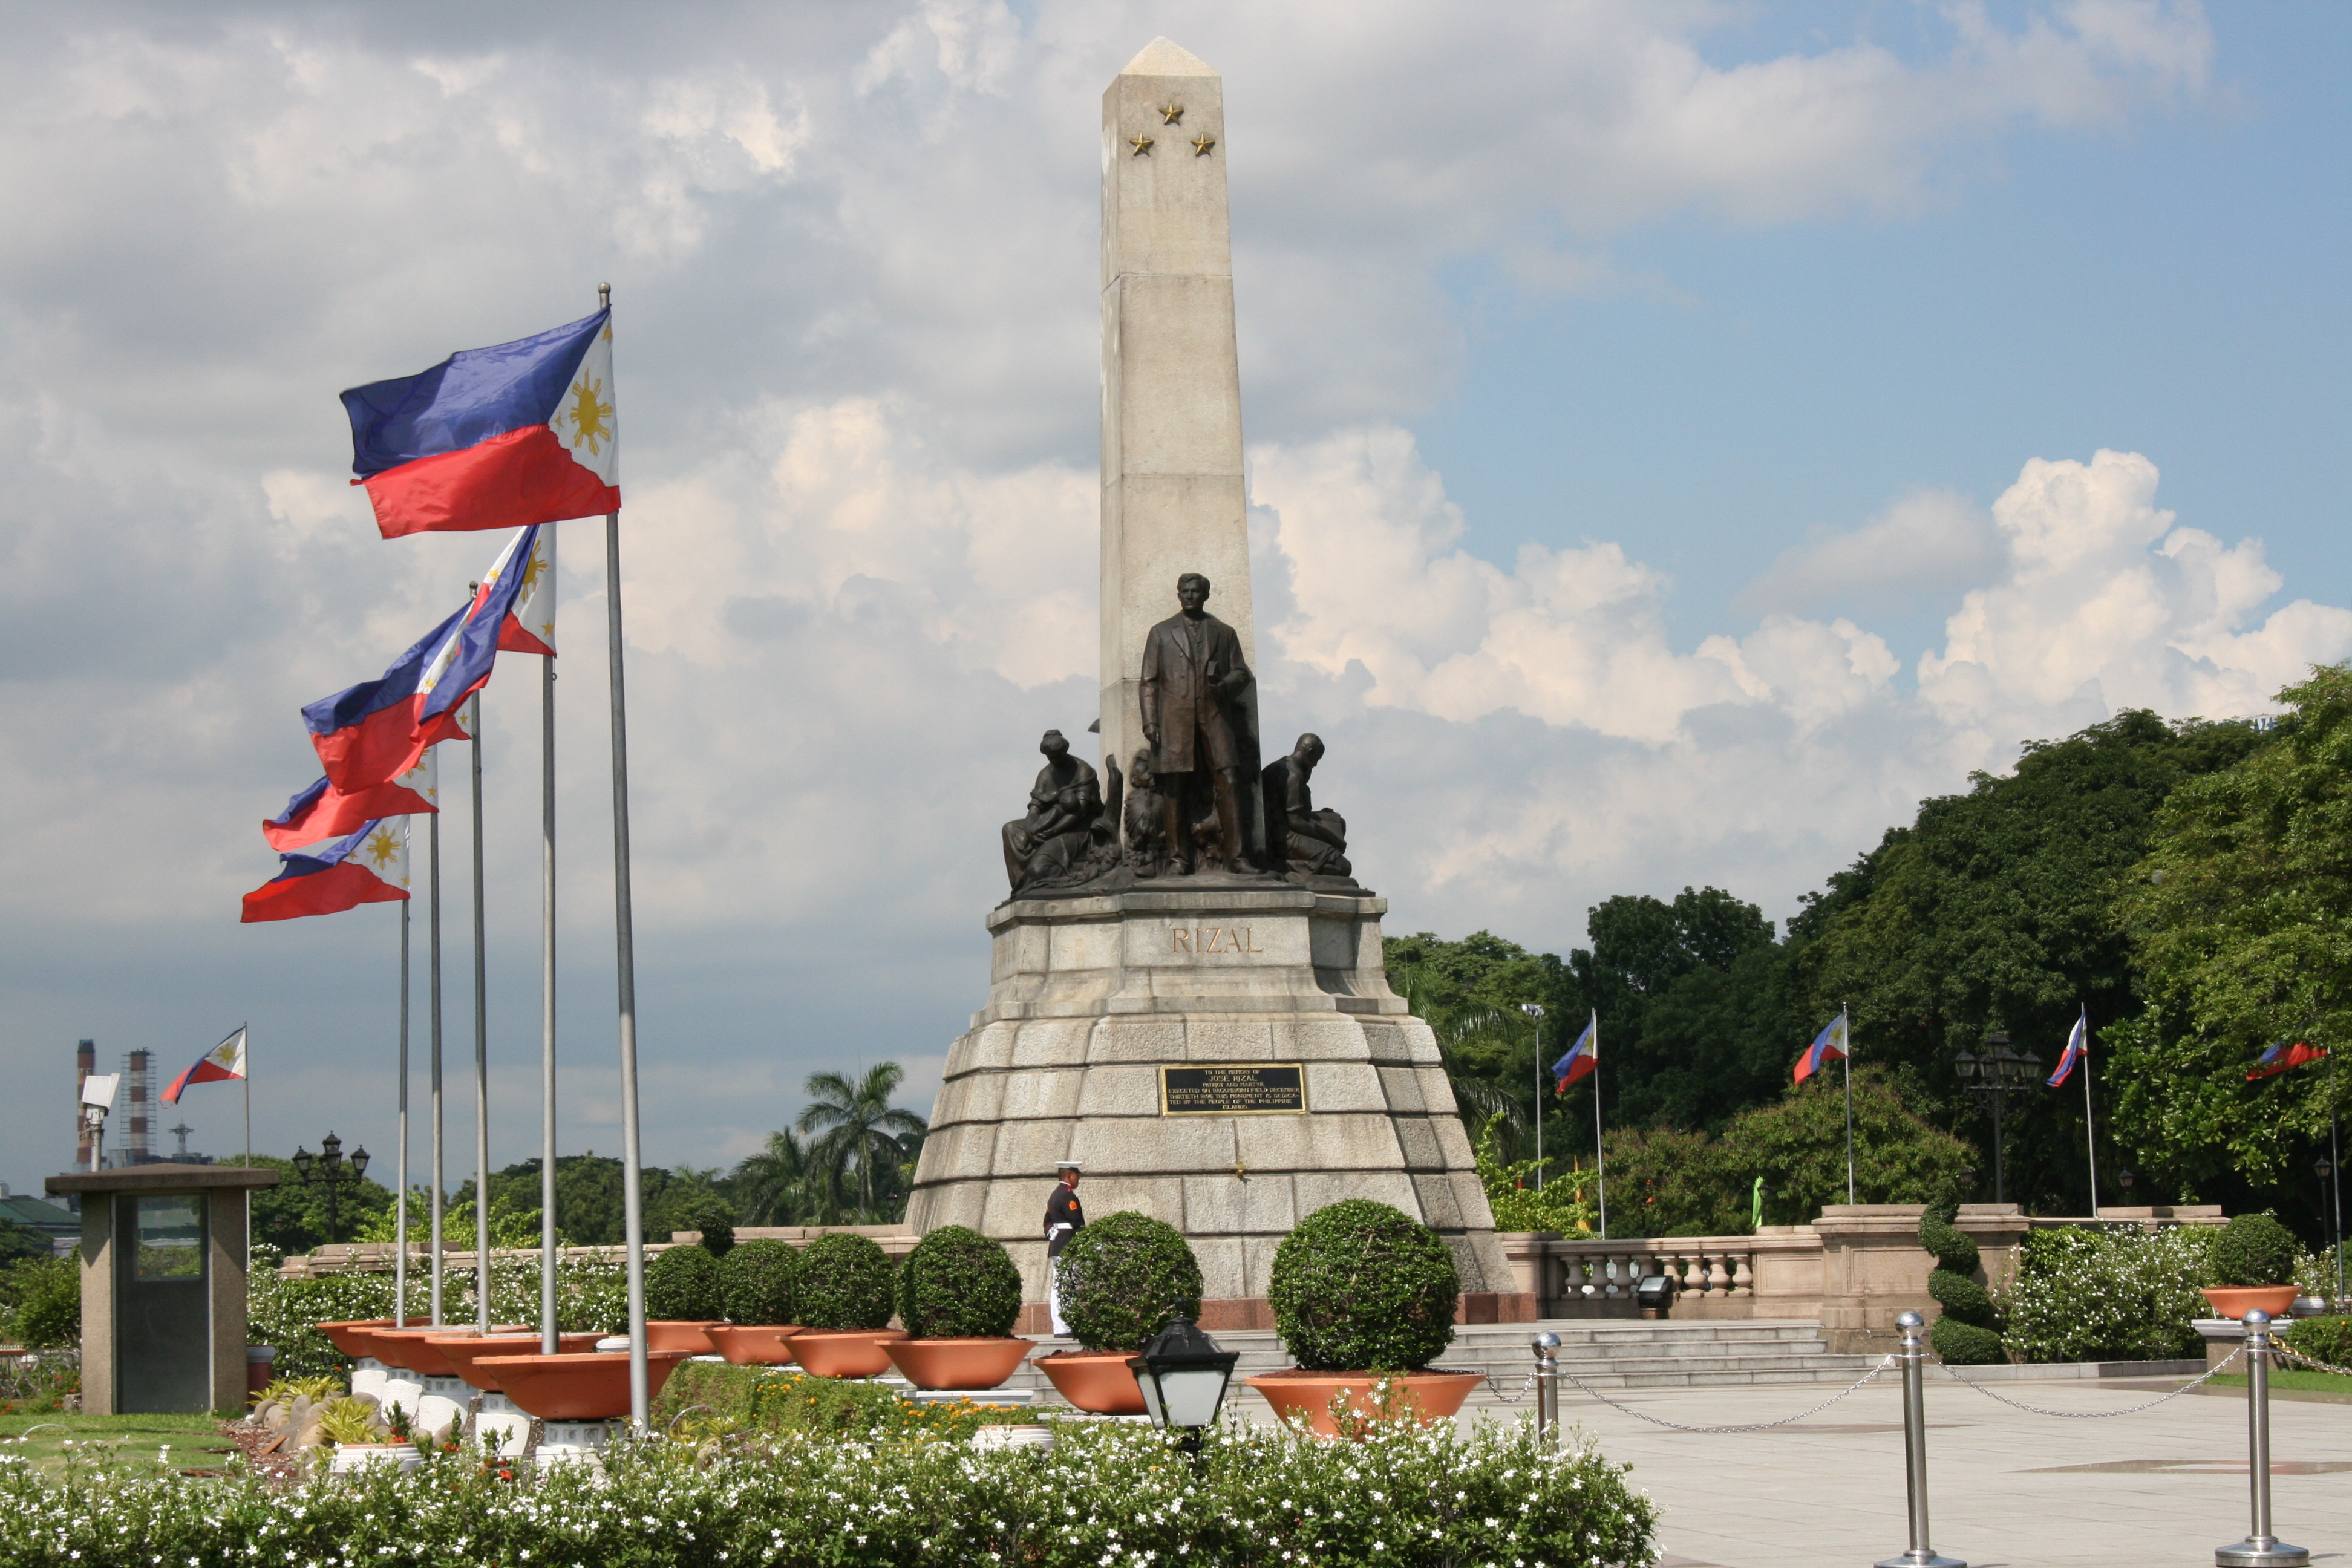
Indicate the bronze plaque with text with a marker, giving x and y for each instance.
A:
(1233, 1088)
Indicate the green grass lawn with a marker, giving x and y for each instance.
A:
(120, 1444)
(2284, 1377)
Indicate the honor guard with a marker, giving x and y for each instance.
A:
(1065, 1217)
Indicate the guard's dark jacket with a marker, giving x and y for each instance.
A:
(1063, 1209)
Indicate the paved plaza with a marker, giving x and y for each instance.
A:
(2007, 1489)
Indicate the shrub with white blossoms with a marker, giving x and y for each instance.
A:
(2107, 1293)
(1106, 1496)
(590, 1295)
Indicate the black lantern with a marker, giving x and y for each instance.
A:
(329, 1169)
(1183, 1376)
(1994, 1074)
(2126, 1178)
(303, 1160)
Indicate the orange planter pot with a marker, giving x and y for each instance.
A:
(2234, 1301)
(974, 1363)
(754, 1344)
(462, 1350)
(844, 1352)
(691, 1335)
(590, 1387)
(407, 1347)
(353, 1336)
(1429, 1397)
(1095, 1380)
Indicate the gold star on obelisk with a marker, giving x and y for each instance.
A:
(1201, 145)
(1142, 145)
(1170, 113)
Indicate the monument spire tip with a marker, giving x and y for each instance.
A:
(1161, 58)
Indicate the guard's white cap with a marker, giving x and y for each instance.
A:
(1067, 1166)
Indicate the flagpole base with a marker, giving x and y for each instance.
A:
(2260, 1552)
(1920, 1560)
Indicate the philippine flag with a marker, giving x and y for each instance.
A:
(530, 626)
(223, 1062)
(376, 730)
(503, 437)
(1582, 1056)
(370, 867)
(1827, 1045)
(323, 812)
(2283, 1055)
(2078, 1045)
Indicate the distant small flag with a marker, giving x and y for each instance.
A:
(224, 1062)
(1582, 1056)
(1827, 1045)
(370, 867)
(323, 812)
(2283, 1055)
(2078, 1045)
(511, 434)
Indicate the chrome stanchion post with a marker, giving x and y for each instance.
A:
(2261, 1549)
(1546, 1349)
(1914, 1448)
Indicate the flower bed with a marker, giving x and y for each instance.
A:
(1105, 1494)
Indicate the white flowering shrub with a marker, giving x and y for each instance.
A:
(1106, 1496)
(2108, 1293)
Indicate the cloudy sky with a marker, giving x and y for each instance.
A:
(1682, 435)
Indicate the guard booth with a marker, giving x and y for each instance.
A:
(163, 1285)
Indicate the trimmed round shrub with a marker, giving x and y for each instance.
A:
(682, 1282)
(1362, 1287)
(2254, 1249)
(844, 1283)
(755, 1282)
(1966, 1333)
(706, 1211)
(959, 1284)
(2321, 1339)
(1122, 1278)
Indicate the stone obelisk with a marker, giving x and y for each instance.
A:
(1172, 500)
(1221, 1052)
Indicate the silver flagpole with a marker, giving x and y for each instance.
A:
(633, 1214)
(2090, 1127)
(481, 1060)
(1600, 1158)
(400, 1189)
(1848, 1059)
(433, 1070)
(547, 1342)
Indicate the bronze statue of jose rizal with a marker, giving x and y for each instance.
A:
(1193, 677)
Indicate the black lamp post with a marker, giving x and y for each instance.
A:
(1183, 1376)
(329, 1169)
(1996, 1074)
(2126, 1178)
(2325, 1168)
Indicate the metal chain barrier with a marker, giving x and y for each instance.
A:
(1754, 1426)
(2297, 1357)
(1497, 1389)
(2084, 1414)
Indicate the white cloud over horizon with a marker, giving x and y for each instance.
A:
(854, 250)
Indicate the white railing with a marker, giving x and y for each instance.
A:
(1569, 1269)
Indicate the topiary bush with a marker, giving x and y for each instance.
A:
(1360, 1286)
(682, 1282)
(1968, 1332)
(2321, 1339)
(959, 1284)
(844, 1283)
(2254, 1249)
(1122, 1278)
(756, 1280)
(700, 1210)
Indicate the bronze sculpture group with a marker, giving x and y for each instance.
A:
(1182, 808)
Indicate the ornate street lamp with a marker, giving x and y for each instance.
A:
(1996, 1074)
(1183, 1376)
(329, 1169)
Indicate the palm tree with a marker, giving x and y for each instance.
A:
(856, 1124)
(775, 1184)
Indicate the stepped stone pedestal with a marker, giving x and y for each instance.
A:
(1094, 1000)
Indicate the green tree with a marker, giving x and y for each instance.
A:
(774, 1186)
(856, 1129)
(2240, 919)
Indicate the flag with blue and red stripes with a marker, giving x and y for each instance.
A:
(2078, 1045)
(370, 867)
(1829, 1046)
(2283, 1055)
(1581, 1058)
(514, 434)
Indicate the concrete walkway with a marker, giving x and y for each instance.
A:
(2007, 1489)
